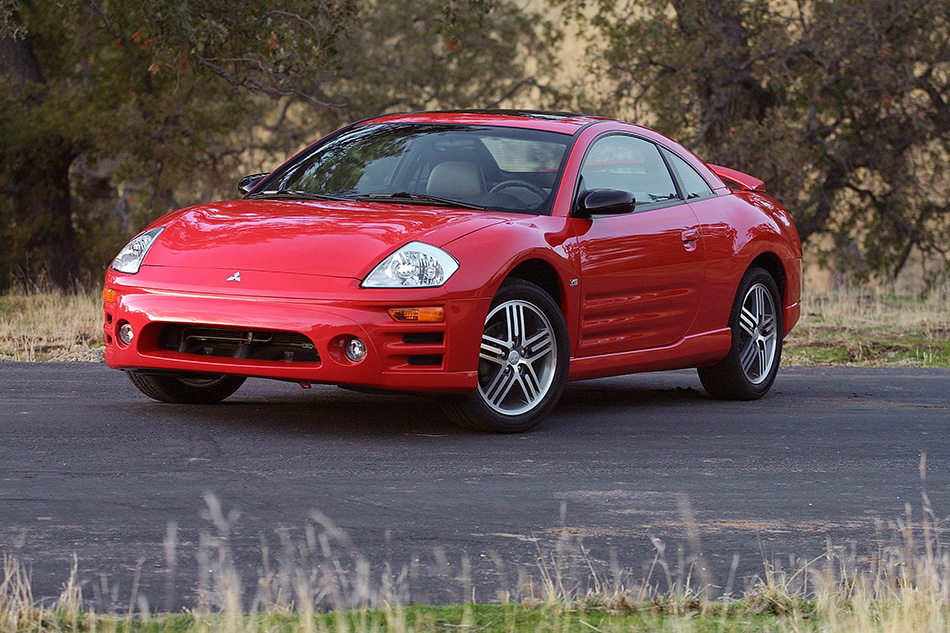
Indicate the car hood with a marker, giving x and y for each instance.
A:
(336, 239)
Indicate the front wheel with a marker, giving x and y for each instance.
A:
(187, 389)
(748, 371)
(522, 364)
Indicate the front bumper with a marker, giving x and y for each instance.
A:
(401, 356)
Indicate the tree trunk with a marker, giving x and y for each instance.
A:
(18, 61)
(46, 247)
(44, 241)
(728, 93)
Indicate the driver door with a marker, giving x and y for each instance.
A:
(641, 272)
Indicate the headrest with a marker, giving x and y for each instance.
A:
(456, 179)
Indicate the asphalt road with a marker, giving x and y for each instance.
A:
(351, 497)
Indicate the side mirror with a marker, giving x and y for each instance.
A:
(249, 182)
(605, 202)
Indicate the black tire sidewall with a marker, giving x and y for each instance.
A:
(726, 379)
(171, 389)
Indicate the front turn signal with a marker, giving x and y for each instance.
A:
(108, 295)
(418, 315)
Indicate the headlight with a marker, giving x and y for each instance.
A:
(414, 265)
(129, 259)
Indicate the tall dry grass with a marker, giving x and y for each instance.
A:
(321, 584)
(38, 323)
(863, 306)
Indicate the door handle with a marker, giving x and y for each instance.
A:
(690, 235)
(690, 238)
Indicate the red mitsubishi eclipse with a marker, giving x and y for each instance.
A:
(487, 256)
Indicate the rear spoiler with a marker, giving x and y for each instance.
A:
(736, 178)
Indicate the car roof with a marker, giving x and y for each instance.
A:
(564, 122)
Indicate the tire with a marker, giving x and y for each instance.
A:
(187, 389)
(522, 365)
(748, 370)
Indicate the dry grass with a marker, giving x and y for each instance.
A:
(852, 326)
(902, 590)
(39, 324)
(864, 327)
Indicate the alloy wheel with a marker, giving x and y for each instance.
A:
(758, 336)
(517, 358)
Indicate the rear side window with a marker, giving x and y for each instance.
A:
(694, 185)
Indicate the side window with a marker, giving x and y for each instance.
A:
(629, 164)
(694, 186)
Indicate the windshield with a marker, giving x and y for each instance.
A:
(497, 168)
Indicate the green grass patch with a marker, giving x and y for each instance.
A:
(509, 618)
(871, 329)
(468, 618)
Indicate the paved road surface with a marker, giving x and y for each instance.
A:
(284, 484)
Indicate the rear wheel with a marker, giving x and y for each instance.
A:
(748, 371)
(187, 389)
(522, 363)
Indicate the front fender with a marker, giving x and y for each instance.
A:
(489, 256)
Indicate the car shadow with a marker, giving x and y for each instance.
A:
(611, 394)
(324, 411)
(327, 411)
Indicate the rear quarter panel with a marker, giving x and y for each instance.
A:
(738, 228)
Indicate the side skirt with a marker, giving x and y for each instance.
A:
(691, 351)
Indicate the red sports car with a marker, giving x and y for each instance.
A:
(487, 256)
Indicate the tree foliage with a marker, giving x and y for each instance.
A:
(444, 55)
(840, 105)
(112, 112)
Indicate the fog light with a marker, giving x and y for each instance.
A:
(355, 350)
(126, 334)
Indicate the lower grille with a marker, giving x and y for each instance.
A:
(238, 343)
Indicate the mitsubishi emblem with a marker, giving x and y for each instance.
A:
(235, 277)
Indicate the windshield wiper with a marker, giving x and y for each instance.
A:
(295, 194)
(417, 198)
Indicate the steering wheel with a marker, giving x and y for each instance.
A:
(505, 184)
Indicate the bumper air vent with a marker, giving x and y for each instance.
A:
(291, 347)
(427, 360)
(423, 338)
